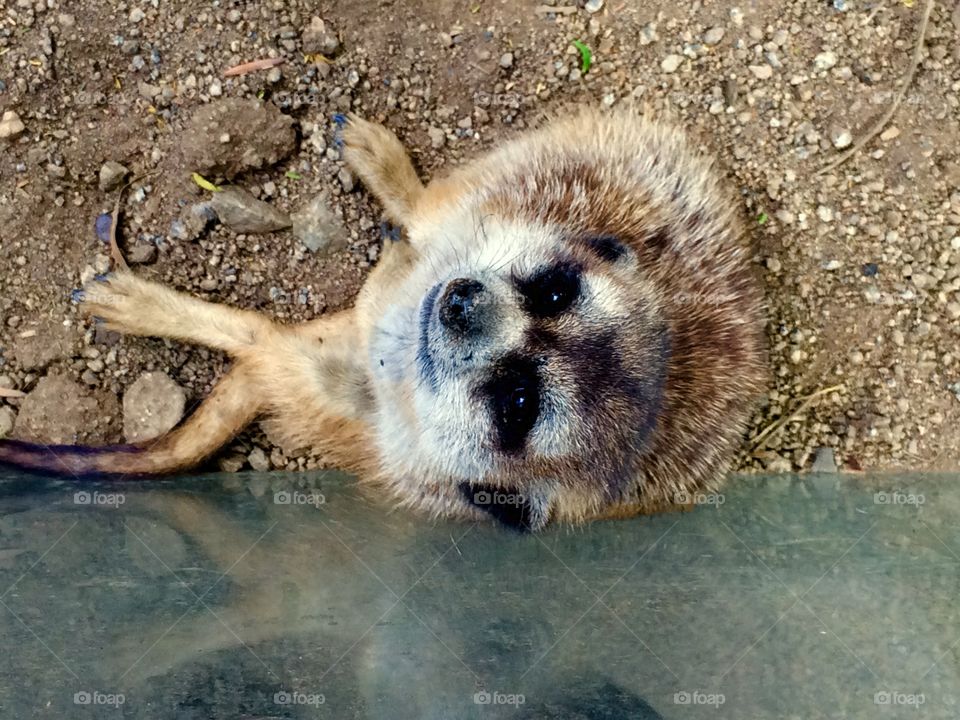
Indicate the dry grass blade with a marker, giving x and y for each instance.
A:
(11, 393)
(252, 66)
(559, 10)
(882, 121)
(779, 424)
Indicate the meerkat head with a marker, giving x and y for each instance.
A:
(523, 366)
(532, 357)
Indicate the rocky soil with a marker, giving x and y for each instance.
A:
(862, 264)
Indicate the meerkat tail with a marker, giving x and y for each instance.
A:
(231, 406)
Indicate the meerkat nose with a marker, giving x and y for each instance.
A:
(461, 307)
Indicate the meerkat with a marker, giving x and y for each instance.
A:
(570, 330)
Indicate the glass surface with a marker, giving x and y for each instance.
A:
(296, 596)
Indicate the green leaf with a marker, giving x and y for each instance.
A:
(762, 218)
(586, 56)
(293, 175)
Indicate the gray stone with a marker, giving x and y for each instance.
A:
(152, 406)
(142, 253)
(258, 460)
(194, 220)
(232, 463)
(58, 411)
(318, 37)
(347, 180)
(243, 213)
(841, 138)
(438, 137)
(318, 228)
(259, 135)
(825, 60)
(112, 174)
(714, 35)
(671, 62)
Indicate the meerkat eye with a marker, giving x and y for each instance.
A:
(607, 248)
(514, 399)
(551, 291)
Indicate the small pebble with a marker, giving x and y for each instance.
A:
(890, 133)
(112, 174)
(438, 137)
(258, 460)
(825, 60)
(670, 63)
(841, 138)
(11, 125)
(713, 36)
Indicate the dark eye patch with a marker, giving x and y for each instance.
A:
(512, 393)
(550, 291)
(607, 248)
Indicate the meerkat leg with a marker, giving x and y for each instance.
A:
(381, 161)
(134, 306)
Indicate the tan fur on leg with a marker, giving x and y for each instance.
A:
(377, 156)
(134, 306)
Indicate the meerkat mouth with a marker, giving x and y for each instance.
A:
(425, 362)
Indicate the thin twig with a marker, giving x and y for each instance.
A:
(778, 425)
(891, 111)
(118, 260)
(552, 10)
(11, 393)
(253, 66)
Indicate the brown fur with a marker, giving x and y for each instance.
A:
(592, 176)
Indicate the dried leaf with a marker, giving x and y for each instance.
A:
(204, 183)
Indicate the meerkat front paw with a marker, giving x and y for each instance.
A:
(121, 300)
(379, 159)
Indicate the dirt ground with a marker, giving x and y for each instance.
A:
(862, 264)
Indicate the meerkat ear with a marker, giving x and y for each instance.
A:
(526, 511)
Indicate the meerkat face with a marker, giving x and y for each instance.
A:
(526, 357)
